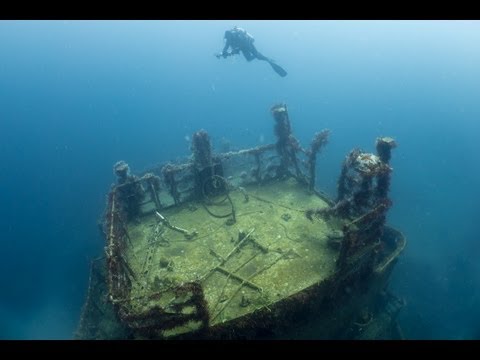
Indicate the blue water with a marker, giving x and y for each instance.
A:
(77, 96)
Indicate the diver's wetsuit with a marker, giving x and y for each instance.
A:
(239, 40)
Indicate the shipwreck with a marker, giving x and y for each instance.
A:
(242, 245)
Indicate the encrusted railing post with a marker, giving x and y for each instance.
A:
(287, 145)
(168, 172)
(205, 166)
(364, 181)
(319, 140)
(363, 196)
(153, 184)
(130, 191)
(384, 147)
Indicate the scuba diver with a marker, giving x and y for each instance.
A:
(239, 40)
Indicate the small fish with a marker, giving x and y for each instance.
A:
(187, 138)
(261, 139)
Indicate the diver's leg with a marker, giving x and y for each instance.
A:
(258, 55)
(261, 57)
(248, 55)
(277, 68)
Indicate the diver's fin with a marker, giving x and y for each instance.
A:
(278, 69)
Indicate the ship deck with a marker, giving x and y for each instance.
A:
(279, 253)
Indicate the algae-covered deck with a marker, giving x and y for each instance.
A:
(240, 243)
(271, 252)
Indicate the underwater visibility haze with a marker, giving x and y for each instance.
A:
(78, 96)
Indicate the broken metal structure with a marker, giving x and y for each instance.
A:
(241, 244)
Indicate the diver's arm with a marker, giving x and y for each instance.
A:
(226, 54)
(225, 49)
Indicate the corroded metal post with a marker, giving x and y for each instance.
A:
(202, 150)
(168, 172)
(319, 140)
(130, 191)
(205, 166)
(384, 147)
(287, 145)
(153, 184)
